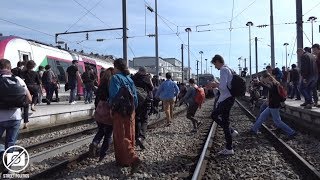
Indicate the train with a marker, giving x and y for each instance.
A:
(204, 79)
(18, 49)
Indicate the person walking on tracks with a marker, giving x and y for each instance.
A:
(224, 103)
(274, 104)
(166, 92)
(190, 99)
(144, 85)
(123, 100)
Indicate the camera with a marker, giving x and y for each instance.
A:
(20, 161)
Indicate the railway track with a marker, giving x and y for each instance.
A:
(284, 161)
(62, 163)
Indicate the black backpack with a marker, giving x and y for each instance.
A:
(45, 77)
(123, 102)
(238, 85)
(12, 94)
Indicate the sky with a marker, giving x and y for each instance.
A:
(40, 20)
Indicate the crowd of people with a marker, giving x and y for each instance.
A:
(126, 101)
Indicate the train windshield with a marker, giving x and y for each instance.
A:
(204, 79)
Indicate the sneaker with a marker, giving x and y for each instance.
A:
(303, 104)
(234, 133)
(86, 102)
(226, 152)
(308, 106)
(140, 143)
(298, 99)
(74, 102)
(194, 130)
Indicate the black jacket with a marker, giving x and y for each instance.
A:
(143, 81)
(308, 66)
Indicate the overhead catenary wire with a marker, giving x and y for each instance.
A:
(311, 9)
(89, 11)
(294, 45)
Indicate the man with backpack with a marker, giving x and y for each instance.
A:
(144, 86)
(14, 95)
(225, 101)
(194, 97)
(72, 77)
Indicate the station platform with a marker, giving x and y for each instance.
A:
(58, 113)
(305, 118)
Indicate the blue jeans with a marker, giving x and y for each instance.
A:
(88, 94)
(276, 119)
(106, 132)
(12, 128)
(49, 91)
(73, 91)
(306, 89)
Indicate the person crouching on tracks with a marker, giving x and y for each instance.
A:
(104, 126)
(189, 98)
(274, 104)
(224, 103)
(10, 115)
(166, 92)
(144, 85)
(123, 99)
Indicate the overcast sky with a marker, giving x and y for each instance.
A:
(46, 17)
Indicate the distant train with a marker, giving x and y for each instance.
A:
(204, 79)
(18, 49)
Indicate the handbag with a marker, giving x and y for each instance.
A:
(102, 113)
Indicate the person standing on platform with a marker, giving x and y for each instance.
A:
(225, 102)
(18, 70)
(142, 80)
(123, 125)
(11, 117)
(88, 78)
(316, 52)
(309, 76)
(273, 107)
(72, 77)
(40, 73)
(47, 79)
(294, 81)
(166, 92)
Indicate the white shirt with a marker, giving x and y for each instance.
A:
(14, 113)
(225, 82)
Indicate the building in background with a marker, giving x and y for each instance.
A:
(172, 65)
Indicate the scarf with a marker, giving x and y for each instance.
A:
(5, 72)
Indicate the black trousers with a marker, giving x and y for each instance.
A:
(221, 115)
(191, 111)
(142, 121)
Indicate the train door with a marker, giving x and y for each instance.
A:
(24, 56)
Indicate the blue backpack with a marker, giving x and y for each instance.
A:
(123, 102)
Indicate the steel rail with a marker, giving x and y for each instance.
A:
(64, 164)
(314, 174)
(196, 174)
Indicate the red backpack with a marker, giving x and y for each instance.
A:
(282, 93)
(200, 96)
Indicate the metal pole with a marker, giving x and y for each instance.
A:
(124, 31)
(286, 57)
(206, 65)
(188, 57)
(201, 63)
(256, 45)
(312, 32)
(299, 27)
(198, 72)
(272, 35)
(250, 50)
(156, 37)
(182, 66)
